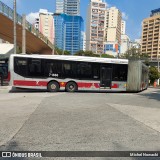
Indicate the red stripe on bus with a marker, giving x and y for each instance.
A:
(24, 83)
(115, 86)
(87, 85)
(29, 83)
(42, 83)
(9, 76)
(80, 85)
(62, 84)
(97, 85)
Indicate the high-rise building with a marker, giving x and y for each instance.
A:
(95, 30)
(125, 40)
(59, 6)
(113, 25)
(123, 27)
(150, 35)
(70, 7)
(45, 24)
(68, 32)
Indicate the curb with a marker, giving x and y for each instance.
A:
(5, 87)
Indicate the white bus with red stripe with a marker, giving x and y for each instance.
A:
(72, 73)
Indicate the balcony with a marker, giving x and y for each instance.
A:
(95, 4)
(94, 25)
(149, 47)
(102, 6)
(145, 26)
(93, 35)
(94, 10)
(145, 29)
(157, 30)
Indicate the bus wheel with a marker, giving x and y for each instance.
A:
(71, 87)
(53, 86)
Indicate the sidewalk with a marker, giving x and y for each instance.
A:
(2, 88)
(158, 87)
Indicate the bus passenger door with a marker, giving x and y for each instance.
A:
(106, 77)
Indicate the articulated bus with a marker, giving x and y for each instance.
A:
(73, 73)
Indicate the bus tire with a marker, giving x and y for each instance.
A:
(71, 87)
(53, 86)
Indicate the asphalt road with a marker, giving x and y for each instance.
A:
(82, 121)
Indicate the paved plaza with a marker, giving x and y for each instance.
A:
(82, 121)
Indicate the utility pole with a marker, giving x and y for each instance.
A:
(24, 34)
(14, 26)
(64, 41)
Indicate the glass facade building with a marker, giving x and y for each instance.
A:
(68, 32)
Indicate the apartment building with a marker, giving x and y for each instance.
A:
(70, 7)
(95, 29)
(113, 25)
(151, 35)
(59, 6)
(45, 24)
(123, 27)
(113, 31)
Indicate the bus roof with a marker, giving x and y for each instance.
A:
(75, 58)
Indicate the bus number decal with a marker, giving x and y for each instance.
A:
(53, 75)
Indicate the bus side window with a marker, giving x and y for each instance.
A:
(119, 72)
(53, 67)
(96, 72)
(85, 71)
(67, 70)
(20, 66)
(35, 68)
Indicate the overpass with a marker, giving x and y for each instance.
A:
(155, 62)
(36, 42)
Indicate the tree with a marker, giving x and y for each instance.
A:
(86, 53)
(91, 54)
(58, 51)
(132, 53)
(153, 74)
(136, 54)
(79, 53)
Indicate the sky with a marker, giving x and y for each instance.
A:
(134, 11)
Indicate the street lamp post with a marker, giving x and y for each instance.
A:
(14, 24)
(24, 34)
(64, 37)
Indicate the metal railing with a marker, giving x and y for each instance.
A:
(8, 12)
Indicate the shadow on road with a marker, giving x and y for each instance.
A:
(152, 95)
(21, 90)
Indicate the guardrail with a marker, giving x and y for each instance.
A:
(8, 12)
